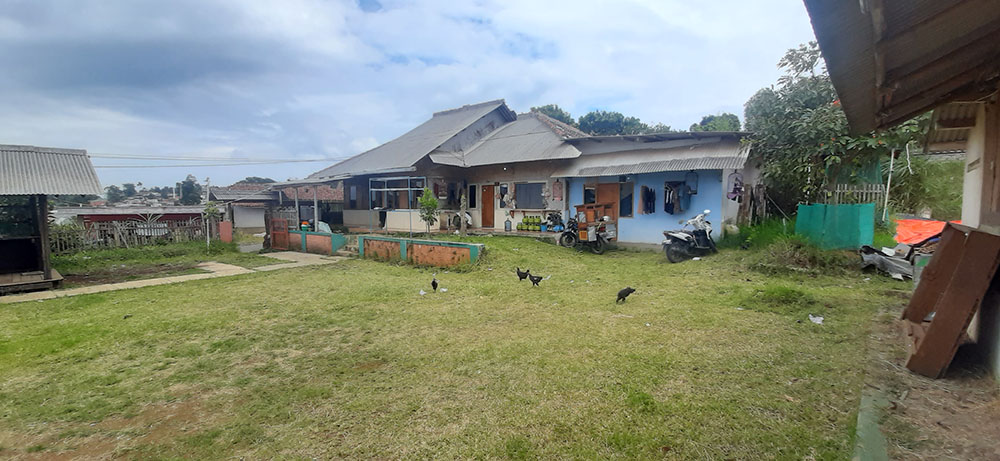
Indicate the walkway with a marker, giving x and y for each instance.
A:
(215, 270)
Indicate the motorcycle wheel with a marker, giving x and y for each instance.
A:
(456, 222)
(567, 240)
(674, 253)
(599, 246)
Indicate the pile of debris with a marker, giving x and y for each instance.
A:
(917, 240)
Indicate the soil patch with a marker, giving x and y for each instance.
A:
(124, 273)
(947, 418)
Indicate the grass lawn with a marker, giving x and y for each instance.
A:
(349, 360)
(124, 264)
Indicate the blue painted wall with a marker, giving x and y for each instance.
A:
(648, 228)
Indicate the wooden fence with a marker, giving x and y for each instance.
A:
(857, 193)
(125, 234)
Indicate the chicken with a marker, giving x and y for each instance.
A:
(534, 279)
(623, 293)
(522, 275)
(434, 284)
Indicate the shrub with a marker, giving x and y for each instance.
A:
(793, 253)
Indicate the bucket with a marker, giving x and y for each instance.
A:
(544, 228)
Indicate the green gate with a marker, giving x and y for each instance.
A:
(837, 226)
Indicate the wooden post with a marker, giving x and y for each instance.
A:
(42, 214)
(315, 210)
(298, 219)
(463, 208)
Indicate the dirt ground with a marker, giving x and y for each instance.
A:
(955, 417)
(131, 272)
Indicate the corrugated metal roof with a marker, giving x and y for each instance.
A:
(229, 194)
(529, 138)
(406, 150)
(950, 127)
(30, 170)
(709, 156)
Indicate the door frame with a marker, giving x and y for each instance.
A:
(485, 206)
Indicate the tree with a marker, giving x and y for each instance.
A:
(605, 123)
(129, 189)
(428, 208)
(660, 128)
(190, 191)
(114, 194)
(801, 132)
(722, 122)
(255, 180)
(556, 112)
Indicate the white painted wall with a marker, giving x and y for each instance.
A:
(972, 185)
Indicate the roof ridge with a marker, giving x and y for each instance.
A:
(558, 125)
(469, 106)
(49, 150)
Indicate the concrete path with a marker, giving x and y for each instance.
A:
(215, 270)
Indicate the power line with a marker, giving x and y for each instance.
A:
(226, 159)
(194, 165)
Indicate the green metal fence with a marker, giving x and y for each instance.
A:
(837, 226)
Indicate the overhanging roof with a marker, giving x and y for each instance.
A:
(30, 170)
(891, 60)
(950, 127)
(728, 154)
(404, 151)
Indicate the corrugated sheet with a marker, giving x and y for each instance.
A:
(223, 194)
(406, 150)
(30, 170)
(709, 156)
(529, 138)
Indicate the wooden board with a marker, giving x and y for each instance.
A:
(936, 275)
(962, 294)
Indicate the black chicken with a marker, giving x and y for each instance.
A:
(623, 293)
(534, 279)
(522, 275)
(434, 284)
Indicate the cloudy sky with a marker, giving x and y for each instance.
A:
(318, 79)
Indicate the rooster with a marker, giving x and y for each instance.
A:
(522, 275)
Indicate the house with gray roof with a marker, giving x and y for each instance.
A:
(516, 165)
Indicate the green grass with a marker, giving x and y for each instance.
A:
(349, 361)
(123, 264)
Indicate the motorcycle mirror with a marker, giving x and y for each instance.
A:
(708, 211)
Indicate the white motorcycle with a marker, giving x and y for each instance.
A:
(683, 244)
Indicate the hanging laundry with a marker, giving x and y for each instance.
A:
(735, 186)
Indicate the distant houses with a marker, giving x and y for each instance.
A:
(515, 165)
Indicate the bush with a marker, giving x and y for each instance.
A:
(793, 253)
(760, 235)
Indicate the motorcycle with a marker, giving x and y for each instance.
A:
(685, 244)
(595, 237)
(456, 221)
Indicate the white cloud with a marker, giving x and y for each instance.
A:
(311, 78)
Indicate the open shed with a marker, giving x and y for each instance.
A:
(28, 176)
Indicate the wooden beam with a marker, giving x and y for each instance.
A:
(42, 211)
(989, 213)
(956, 123)
(934, 95)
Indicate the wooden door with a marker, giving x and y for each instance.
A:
(279, 234)
(608, 193)
(486, 205)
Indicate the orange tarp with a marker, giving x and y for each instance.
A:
(913, 231)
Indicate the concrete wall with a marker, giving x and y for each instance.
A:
(648, 228)
(357, 218)
(511, 174)
(248, 217)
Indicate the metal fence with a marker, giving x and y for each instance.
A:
(124, 234)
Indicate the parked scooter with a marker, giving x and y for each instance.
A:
(595, 238)
(685, 244)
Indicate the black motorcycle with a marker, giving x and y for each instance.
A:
(685, 244)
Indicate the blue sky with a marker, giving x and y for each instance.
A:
(309, 79)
